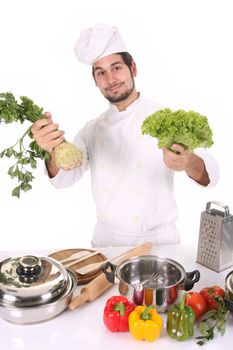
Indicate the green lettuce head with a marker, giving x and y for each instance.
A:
(187, 128)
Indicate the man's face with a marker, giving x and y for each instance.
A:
(114, 78)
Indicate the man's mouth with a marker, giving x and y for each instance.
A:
(114, 88)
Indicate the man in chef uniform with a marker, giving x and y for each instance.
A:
(132, 179)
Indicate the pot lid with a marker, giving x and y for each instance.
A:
(31, 280)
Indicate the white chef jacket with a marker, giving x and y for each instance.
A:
(131, 185)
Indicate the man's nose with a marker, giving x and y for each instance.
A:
(110, 77)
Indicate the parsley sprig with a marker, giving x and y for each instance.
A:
(214, 321)
(25, 155)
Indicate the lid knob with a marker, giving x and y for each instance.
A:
(29, 268)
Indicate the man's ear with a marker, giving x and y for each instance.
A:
(134, 69)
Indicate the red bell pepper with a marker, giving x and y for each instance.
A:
(116, 313)
(197, 303)
(211, 295)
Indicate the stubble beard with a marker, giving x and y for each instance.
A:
(123, 96)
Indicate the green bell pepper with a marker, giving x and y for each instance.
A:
(180, 320)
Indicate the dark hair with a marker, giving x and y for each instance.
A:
(126, 57)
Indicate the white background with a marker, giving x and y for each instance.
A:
(183, 53)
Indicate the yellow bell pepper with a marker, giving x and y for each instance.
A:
(145, 323)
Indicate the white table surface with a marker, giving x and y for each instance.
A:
(84, 328)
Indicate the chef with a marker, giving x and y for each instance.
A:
(132, 179)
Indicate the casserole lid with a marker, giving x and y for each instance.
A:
(31, 280)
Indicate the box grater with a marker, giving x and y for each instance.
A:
(215, 245)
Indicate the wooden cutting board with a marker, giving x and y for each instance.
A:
(81, 279)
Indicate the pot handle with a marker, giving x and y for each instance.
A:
(192, 277)
(110, 275)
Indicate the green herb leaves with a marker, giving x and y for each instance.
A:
(12, 111)
(214, 320)
(186, 128)
(25, 156)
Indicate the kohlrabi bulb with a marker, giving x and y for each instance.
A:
(68, 156)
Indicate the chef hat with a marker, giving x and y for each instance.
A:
(97, 42)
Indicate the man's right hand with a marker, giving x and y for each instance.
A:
(46, 134)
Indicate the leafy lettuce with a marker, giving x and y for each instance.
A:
(187, 128)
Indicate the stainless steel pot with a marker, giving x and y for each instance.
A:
(229, 291)
(151, 279)
(34, 289)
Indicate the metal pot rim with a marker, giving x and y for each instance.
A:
(229, 282)
(154, 257)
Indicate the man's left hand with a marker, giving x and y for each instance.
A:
(178, 158)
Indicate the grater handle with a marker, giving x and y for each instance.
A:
(225, 207)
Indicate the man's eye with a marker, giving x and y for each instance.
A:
(99, 73)
(117, 68)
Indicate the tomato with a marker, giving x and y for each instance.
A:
(197, 303)
(210, 294)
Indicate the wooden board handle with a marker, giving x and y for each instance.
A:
(100, 284)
